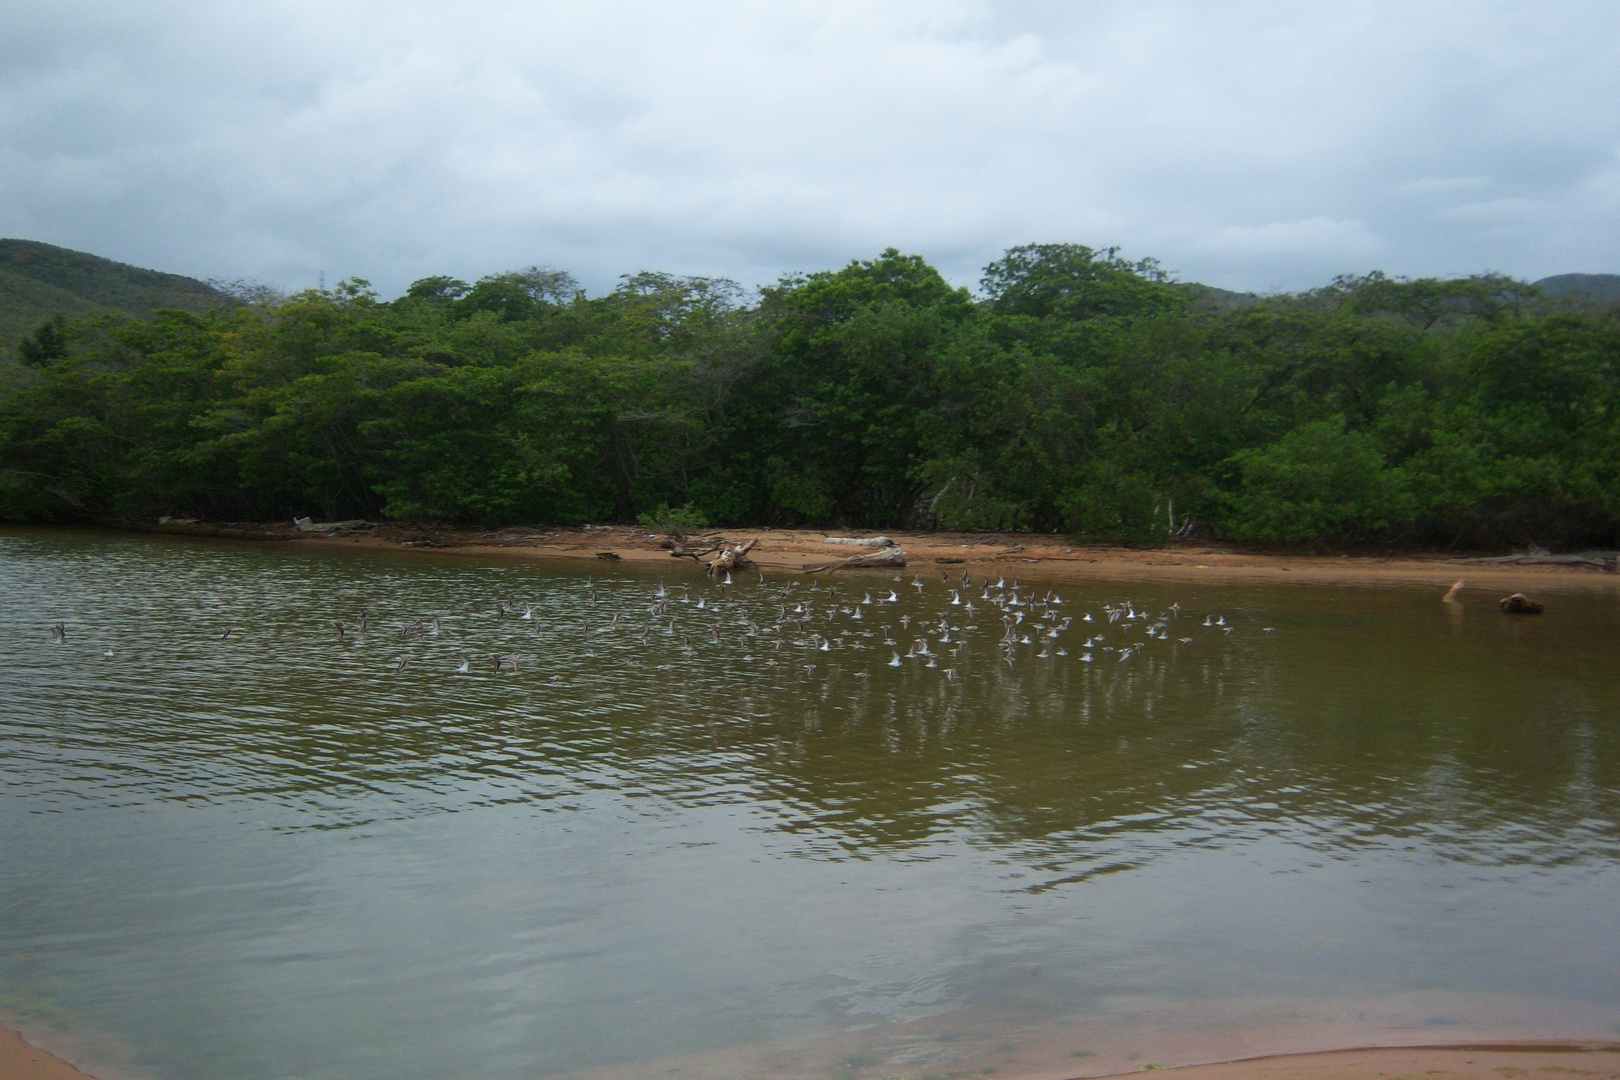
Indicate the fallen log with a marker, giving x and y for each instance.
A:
(862, 541)
(1519, 604)
(887, 557)
(1602, 560)
(732, 556)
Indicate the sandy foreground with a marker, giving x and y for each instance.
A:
(1500, 1061)
(21, 1061)
(1034, 557)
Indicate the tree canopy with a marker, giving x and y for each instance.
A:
(1078, 391)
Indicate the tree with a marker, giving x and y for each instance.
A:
(1072, 281)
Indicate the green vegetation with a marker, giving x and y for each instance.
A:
(1079, 392)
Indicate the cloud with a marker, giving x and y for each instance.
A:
(1313, 236)
(1260, 146)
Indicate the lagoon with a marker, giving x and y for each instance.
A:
(279, 852)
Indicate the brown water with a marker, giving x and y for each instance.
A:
(278, 854)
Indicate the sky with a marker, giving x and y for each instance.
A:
(1255, 146)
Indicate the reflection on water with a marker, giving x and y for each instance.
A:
(729, 829)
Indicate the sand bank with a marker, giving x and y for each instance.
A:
(1031, 556)
(1480, 1062)
(1506, 1061)
(21, 1061)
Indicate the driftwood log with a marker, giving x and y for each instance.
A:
(682, 548)
(731, 557)
(887, 557)
(862, 541)
(1598, 560)
(1520, 604)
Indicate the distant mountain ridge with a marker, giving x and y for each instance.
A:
(1582, 288)
(39, 280)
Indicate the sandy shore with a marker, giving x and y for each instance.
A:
(1035, 557)
(21, 1061)
(1501, 1061)
(1483, 1062)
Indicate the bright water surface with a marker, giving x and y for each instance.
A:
(646, 853)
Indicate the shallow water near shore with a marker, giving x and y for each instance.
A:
(671, 843)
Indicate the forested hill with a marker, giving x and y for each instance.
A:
(1075, 391)
(1592, 289)
(39, 280)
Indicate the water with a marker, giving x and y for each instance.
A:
(279, 854)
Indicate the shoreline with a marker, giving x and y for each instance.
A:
(22, 1060)
(1037, 556)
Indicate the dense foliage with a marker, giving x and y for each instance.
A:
(1078, 392)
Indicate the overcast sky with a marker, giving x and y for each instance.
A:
(1250, 145)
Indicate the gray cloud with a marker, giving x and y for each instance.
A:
(1251, 146)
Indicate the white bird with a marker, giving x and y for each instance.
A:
(895, 662)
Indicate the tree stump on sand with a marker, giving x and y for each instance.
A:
(732, 556)
(1519, 604)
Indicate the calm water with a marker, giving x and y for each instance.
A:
(278, 853)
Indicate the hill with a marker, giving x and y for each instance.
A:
(39, 280)
(1602, 289)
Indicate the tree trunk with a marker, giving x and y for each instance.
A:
(887, 557)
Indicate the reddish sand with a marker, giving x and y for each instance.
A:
(1042, 557)
(1430, 1063)
(20, 1061)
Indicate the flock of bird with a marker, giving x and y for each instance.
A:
(934, 626)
